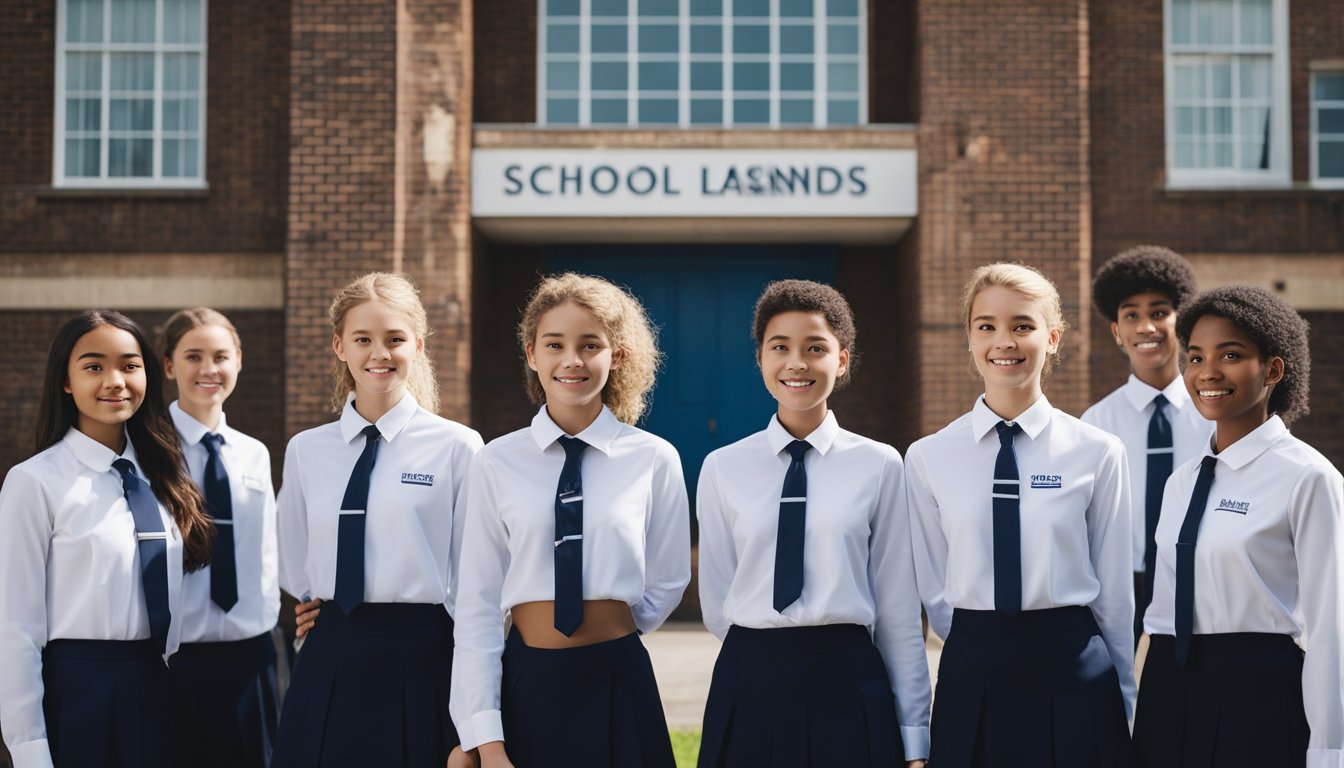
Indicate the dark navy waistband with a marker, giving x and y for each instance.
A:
(1228, 643)
(1049, 621)
(823, 638)
(606, 647)
(381, 619)
(102, 650)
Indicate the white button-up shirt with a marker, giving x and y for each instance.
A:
(413, 525)
(253, 530)
(69, 570)
(1269, 558)
(636, 544)
(858, 567)
(1125, 413)
(1075, 522)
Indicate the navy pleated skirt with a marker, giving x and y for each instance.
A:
(106, 703)
(224, 703)
(595, 706)
(800, 697)
(370, 689)
(1036, 689)
(1237, 702)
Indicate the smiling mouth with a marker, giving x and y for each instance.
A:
(114, 400)
(1004, 362)
(210, 384)
(570, 379)
(379, 371)
(1214, 394)
(1148, 345)
(797, 383)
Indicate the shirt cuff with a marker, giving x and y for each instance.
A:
(1316, 758)
(916, 741)
(31, 754)
(481, 728)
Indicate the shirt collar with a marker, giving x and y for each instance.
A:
(1140, 395)
(95, 455)
(1033, 421)
(1245, 450)
(190, 429)
(389, 425)
(600, 434)
(821, 438)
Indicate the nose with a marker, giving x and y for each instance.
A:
(114, 379)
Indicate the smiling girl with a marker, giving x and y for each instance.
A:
(1249, 550)
(370, 528)
(95, 533)
(1021, 524)
(578, 527)
(224, 686)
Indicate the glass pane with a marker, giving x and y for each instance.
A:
(844, 112)
(562, 111)
(1222, 122)
(607, 38)
(1185, 117)
(842, 8)
(1213, 22)
(1222, 154)
(795, 77)
(1222, 79)
(1257, 26)
(130, 115)
(795, 8)
(1180, 22)
(658, 7)
(84, 72)
(707, 111)
(1253, 157)
(795, 111)
(1331, 159)
(751, 38)
(179, 158)
(1330, 121)
(1189, 81)
(181, 115)
(1252, 122)
(129, 157)
(795, 38)
(610, 76)
(751, 111)
(1185, 154)
(182, 72)
(132, 22)
(83, 114)
(182, 21)
(657, 76)
(1329, 87)
(610, 8)
(564, 38)
(1254, 74)
(751, 77)
(657, 38)
(750, 8)
(81, 157)
(562, 76)
(657, 111)
(706, 7)
(132, 72)
(610, 111)
(842, 38)
(83, 24)
(842, 78)
(562, 7)
(706, 76)
(706, 38)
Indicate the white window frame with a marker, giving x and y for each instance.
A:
(1280, 171)
(155, 180)
(820, 56)
(1337, 69)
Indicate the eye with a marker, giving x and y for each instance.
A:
(1160, 314)
(1231, 356)
(94, 367)
(552, 345)
(222, 358)
(817, 349)
(361, 339)
(779, 348)
(132, 367)
(193, 357)
(1131, 315)
(1024, 328)
(1196, 359)
(984, 327)
(590, 346)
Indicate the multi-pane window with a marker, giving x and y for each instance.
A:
(1226, 108)
(130, 93)
(1327, 127)
(747, 63)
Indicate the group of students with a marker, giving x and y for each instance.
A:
(481, 605)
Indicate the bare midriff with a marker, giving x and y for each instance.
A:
(603, 620)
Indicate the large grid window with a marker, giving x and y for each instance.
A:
(1327, 128)
(130, 93)
(746, 63)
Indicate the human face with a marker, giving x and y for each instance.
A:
(106, 378)
(1145, 329)
(1010, 343)
(1228, 379)
(801, 359)
(573, 357)
(378, 345)
(205, 365)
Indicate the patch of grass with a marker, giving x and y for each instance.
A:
(685, 747)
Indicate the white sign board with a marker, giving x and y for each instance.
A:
(693, 183)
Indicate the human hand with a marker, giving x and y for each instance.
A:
(916, 764)
(494, 756)
(305, 617)
(460, 759)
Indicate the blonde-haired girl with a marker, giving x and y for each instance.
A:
(583, 564)
(371, 529)
(1021, 525)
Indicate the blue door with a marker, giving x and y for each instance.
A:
(709, 391)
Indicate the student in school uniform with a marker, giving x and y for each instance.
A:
(1021, 528)
(1249, 552)
(370, 530)
(577, 527)
(95, 532)
(1139, 292)
(224, 686)
(806, 571)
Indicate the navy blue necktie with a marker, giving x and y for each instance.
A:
(569, 539)
(1160, 457)
(1185, 558)
(219, 500)
(792, 522)
(350, 535)
(153, 544)
(1007, 523)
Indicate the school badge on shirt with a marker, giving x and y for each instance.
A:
(1047, 481)
(416, 478)
(1232, 505)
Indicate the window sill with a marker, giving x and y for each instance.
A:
(103, 193)
(1296, 190)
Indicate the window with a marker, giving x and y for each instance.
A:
(712, 63)
(130, 93)
(1327, 128)
(1227, 91)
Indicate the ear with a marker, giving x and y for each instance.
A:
(419, 346)
(337, 347)
(1055, 335)
(844, 363)
(617, 355)
(530, 350)
(168, 369)
(66, 387)
(239, 358)
(1274, 371)
(1115, 334)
